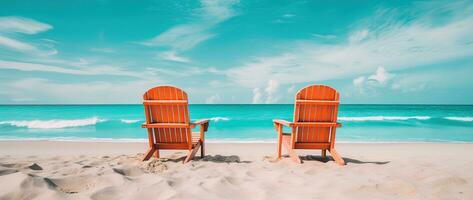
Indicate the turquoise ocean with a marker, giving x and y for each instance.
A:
(238, 123)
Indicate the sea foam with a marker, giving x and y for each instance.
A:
(129, 121)
(383, 118)
(463, 119)
(216, 119)
(53, 124)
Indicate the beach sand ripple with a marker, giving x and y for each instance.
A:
(375, 171)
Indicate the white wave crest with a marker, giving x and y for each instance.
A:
(383, 118)
(463, 119)
(129, 121)
(216, 119)
(53, 124)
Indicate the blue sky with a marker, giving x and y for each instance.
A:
(236, 51)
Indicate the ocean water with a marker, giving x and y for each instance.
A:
(238, 123)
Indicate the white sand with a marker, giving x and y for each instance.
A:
(86, 170)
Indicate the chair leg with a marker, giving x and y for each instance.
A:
(279, 127)
(156, 153)
(148, 154)
(279, 149)
(324, 153)
(203, 128)
(202, 150)
(294, 156)
(192, 153)
(291, 151)
(336, 157)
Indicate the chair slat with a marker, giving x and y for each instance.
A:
(313, 145)
(167, 113)
(313, 114)
(165, 102)
(166, 125)
(168, 107)
(317, 102)
(315, 124)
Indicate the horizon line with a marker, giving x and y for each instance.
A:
(117, 104)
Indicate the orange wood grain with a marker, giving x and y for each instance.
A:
(167, 121)
(315, 120)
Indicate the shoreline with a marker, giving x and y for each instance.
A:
(22, 147)
(221, 141)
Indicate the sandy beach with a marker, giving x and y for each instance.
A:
(112, 170)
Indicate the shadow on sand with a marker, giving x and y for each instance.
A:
(222, 159)
(347, 160)
(209, 158)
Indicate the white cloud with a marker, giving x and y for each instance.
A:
(213, 99)
(269, 95)
(186, 36)
(271, 91)
(257, 96)
(47, 91)
(185, 71)
(379, 79)
(291, 89)
(358, 82)
(218, 11)
(86, 70)
(381, 76)
(358, 36)
(326, 37)
(397, 45)
(171, 56)
(22, 25)
(286, 18)
(405, 85)
(15, 44)
(11, 26)
(182, 37)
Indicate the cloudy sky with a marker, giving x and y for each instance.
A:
(418, 52)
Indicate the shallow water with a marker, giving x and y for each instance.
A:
(239, 123)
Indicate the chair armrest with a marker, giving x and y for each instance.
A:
(309, 124)
(282, 122)
(202, 122)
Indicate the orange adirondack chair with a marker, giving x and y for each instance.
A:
(315, 123)
(168, 124)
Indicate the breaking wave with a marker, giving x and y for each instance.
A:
(129, 121)
(463, 119)
(384, 118)
(54, 123)
(216, 119)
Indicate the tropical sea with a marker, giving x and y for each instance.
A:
(238, 123)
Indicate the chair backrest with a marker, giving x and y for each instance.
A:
(315, 103)
(168, 104)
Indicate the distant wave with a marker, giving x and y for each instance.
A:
(129, 121)
(216, 119)
(383, 118)
(53, 124)
(463, 119)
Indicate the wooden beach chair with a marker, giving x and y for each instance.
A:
(168, 124)
(314, 125)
